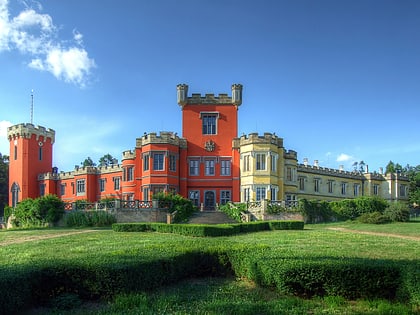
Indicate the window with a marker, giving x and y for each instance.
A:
(224, 196)
(158, 162)
(146, 162)
(330, 186)
(260, 161)
(117, 181)
(102, 184)
(225, 168)
(273, 160)
(246, 194)
(376, 189)
(62, 189)
(158, 189)
(40, 153)
(209, 167)
(260, 193)
(289, 176)
(172, 163)
(194, 196)
(246, 163)
(209, 124)
(146, 193)
(356, 188)
(301, 183)
(316, 184)
(16, 152)
(130, 174)
(194, 167)
(80, 187)
(343, 188)
(273, 193)
(42, 190)
(403, 190)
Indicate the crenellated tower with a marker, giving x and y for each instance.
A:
(31, 150)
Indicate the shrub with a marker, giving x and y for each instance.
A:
(39, 212)
(316, 211)
(184, 207)
(398, 212)
(374, 218)
(89, 218)
(233, 210)
(211, 230)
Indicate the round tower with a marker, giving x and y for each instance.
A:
(31, 149)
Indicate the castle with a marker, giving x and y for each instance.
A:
(209, 164)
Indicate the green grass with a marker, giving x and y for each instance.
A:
(215, 295)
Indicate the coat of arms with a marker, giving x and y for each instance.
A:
(209, 145)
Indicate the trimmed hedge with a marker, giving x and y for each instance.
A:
(210, 230)
(25, 286)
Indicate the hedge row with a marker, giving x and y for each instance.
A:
(298, 275)
(203, 230)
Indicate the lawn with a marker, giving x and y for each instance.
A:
(227, 295)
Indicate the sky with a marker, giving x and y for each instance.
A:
(338, 80)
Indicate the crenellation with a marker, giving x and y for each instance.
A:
(267, 138)
(128, 155)
(209, 98)
(164, 137)
(26, 130)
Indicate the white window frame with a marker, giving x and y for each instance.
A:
(210, 167)
(80, 187)
(260, 161)
(225, 167)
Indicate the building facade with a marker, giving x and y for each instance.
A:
(208, 164)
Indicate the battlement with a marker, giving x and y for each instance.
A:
(290, 154)
(328, 171)
(26, 130)
(255, 138)
(164, 137)
(128, 155)
(221, 99)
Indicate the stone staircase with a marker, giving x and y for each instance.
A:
(210, 217)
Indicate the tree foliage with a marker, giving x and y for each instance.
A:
(38, 212)
(413, 174)
(88, 162)
(4, 182)
(107, 160)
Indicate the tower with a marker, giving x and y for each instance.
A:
(209, 125)
(31, 149)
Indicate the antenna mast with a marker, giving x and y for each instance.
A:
(32, 106)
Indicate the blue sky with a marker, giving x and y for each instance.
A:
(338, 80)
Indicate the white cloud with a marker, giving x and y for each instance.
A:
(4, 142)
(34, 34)
(344, 157)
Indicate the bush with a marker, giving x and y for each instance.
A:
(374, 218)
(233, 210)
(89, 218)
(39, 212)
(316, 211)
(211, 230)
(184, 207)
(398, 212)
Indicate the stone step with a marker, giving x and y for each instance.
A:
(210, 217)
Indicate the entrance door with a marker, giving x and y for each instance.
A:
(209, 200)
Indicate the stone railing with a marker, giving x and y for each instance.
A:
(263, 210)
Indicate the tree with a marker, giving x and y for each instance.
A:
(88, 162)
(107, 160)
(4, 182)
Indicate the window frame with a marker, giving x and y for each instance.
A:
(158, 161)
(80, 187)
(260, 161)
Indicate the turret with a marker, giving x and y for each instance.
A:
(182, 94)
(237, 94)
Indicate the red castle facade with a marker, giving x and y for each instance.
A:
(201, 165)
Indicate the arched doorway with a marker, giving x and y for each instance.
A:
(209, 200)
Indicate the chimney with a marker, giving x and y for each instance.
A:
(381, 170)
(305, 161)
(316, 163)
(341, 168)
